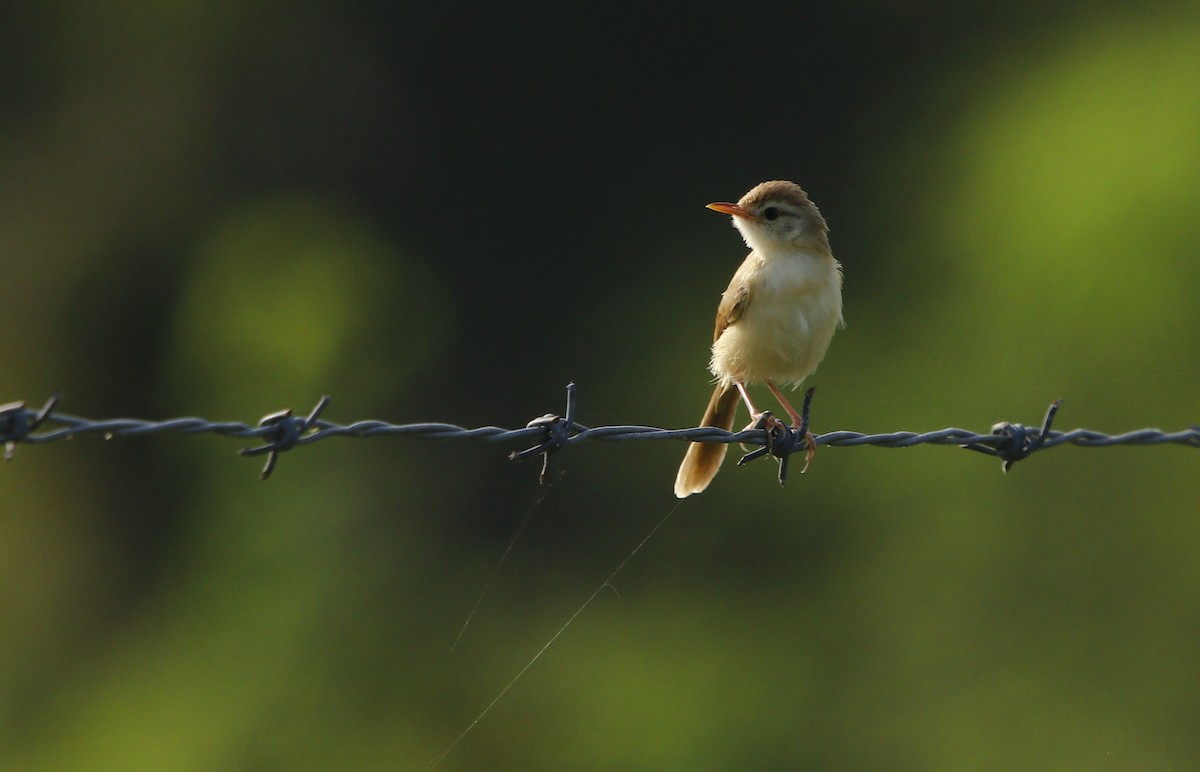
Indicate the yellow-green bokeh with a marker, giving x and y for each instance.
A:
(1017, 225)
(290, 297)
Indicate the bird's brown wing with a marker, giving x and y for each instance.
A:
(733, 305)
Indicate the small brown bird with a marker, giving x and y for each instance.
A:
(775, 320)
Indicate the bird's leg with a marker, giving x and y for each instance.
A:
(758, 416)
(797, 423)
(797, 420)
(759, 419)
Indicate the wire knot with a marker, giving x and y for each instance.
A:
(16, 423)
(283, 431)
(556, 434)
(782, 441)
(1017, 441)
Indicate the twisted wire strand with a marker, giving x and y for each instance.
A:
(282, 431)
(70, 426)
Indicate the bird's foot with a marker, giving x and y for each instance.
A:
(768, 422)
(783, 440)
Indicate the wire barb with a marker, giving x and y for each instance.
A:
(1019, 441)
(16, 422)
(284, 433)
(557, 435)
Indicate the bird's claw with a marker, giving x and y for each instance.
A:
(810, 449)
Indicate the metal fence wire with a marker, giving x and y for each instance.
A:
(282, 431)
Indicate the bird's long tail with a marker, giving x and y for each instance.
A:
(703, 459)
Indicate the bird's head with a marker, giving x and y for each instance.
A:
(775, 215)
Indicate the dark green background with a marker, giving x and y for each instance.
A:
(441, 212)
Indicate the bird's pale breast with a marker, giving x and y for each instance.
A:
(795, 305)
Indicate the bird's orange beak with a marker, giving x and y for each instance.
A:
(733, 209)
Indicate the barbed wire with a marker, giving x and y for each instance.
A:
(282, 431)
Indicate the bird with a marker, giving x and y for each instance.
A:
(775, 320)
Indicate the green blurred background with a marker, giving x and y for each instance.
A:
(441, 212)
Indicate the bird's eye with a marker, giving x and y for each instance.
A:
(770, 214)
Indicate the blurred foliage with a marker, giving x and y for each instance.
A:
(440, 212)
(285, 300)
